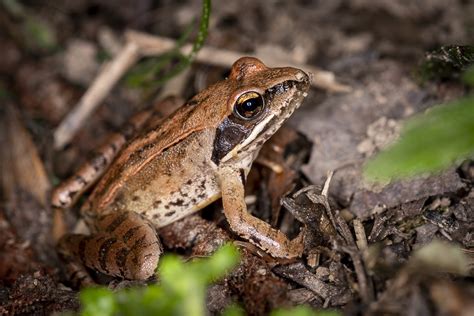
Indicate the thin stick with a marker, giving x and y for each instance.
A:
(325, 190)
(140, 44)
(96, 93)
(155, 45)
(361, 238)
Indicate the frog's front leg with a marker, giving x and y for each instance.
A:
(125, 245)
(249, 227)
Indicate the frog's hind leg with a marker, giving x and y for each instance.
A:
(126, 246)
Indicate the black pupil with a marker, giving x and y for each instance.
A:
(250, 107)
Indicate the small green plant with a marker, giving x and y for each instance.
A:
(429, 142)
(303, 311)
(181, 290)
(151, 71)
(35, 32)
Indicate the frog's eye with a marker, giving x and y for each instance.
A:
(249, 105)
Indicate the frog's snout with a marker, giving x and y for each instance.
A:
(301, 76)
(302, 79)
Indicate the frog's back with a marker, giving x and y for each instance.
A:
(177, 181)
(145, 150)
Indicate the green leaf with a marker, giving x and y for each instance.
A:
(182, 289)
(233, 310)
(469, 76)
(40, 33)
(151, 72)
(303, 311)
(97, 301)
(219, 264)
(188, 281)
(36, 32)
(428, 143)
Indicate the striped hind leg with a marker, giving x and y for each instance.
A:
(125, 245)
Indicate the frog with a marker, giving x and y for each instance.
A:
(200, 153)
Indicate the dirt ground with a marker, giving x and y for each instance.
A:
(361, 251)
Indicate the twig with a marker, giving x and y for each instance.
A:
(348, 244)
(298, 273)
(361, 238)
(366, 288)
(96, 93)
(325, 190)
(155, 45)
(140, 44)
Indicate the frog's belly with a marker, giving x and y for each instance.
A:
(163, 209)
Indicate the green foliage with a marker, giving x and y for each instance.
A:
(469, 76)
(40, 33)
(233, 310)
(429, 142)
(36, 33)
(181, 290)
(151, 71)
(98, 301)
(303, 311)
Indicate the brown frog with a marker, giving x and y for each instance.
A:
(200, 153)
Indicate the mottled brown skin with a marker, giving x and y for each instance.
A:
(202, 152)
(67, 193)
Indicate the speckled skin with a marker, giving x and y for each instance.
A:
(177, 182)
(200, 153)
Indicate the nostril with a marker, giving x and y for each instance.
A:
(301, 76)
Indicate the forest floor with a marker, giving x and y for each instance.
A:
(366, 248)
